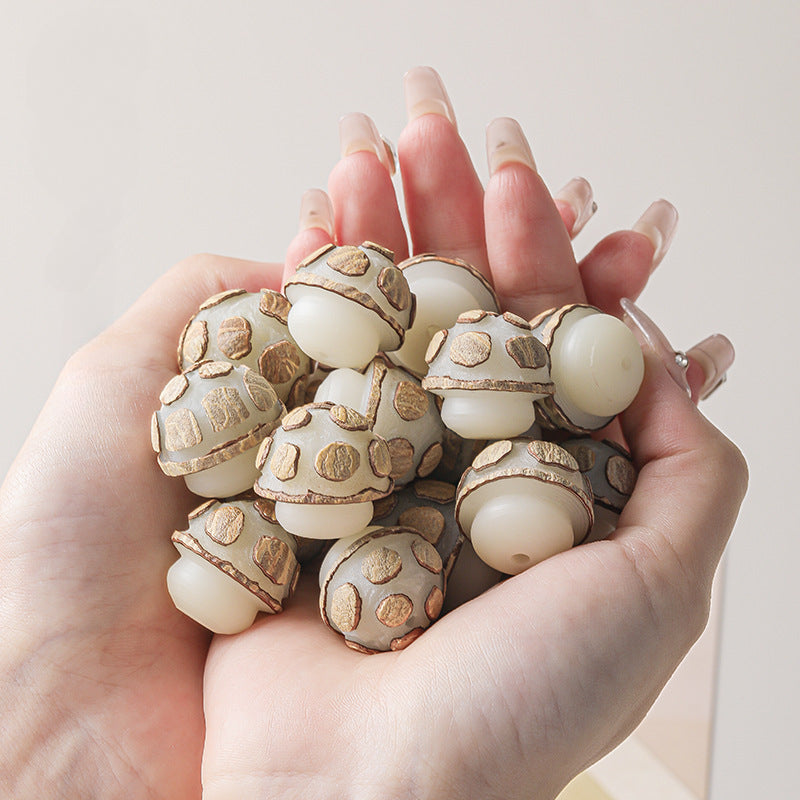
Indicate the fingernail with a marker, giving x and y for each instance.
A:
(506, 144)
(658, 224)
(425, 94)
(579, 196)
(316, 211)
(649, 333)
(357, 133)
(715, 356)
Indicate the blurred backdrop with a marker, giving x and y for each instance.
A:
(137, 133)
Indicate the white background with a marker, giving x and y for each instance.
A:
(135, 134)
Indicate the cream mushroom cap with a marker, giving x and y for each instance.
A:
(398, 409)
(521, 501)
(489, 369)
(234, 562)
(444, 288)
(248, 328)
(323, 466)
(212, 419)
(348, 303)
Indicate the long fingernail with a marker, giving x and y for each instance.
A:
(357, 133)
(425, 94)
(316, 211)
(506, 144)
(650, 334)
(715, 356)
(579, 196)
(658, 223)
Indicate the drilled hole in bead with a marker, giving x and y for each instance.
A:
(520, 559)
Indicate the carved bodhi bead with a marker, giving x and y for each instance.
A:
(444, 288)
(382, 590)
(212, 419)
(348, 303)
(489, 369)
(397, 408)
(234, 562)
(522, 501)
(248, 328)
(596, 365)
(609, 469)
(323, 467)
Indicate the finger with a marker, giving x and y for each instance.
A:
(621, 264)
(532, 263)
(315, 230)
(361, 189)
(575, 204)
(443, 194)
(709, 362)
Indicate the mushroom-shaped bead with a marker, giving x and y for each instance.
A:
(489, 369)
(398, 409)
(596, 365)
(609, 469)
(444, 289)
(323, 467)
(212, 419)
(523, 501)
(383, 590)
(348, 303)
(234, 562)
(248, 328)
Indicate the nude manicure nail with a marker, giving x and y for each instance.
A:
(578, 194)
(316, 211)
(658, 223)
(357, 133)
(715, 356)
(649, 333)
(425, 94)
(506, 144)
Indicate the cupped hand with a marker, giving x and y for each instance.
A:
(515, 692)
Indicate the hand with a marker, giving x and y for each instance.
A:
(514, 693)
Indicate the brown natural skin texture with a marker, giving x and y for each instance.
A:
(107, 692)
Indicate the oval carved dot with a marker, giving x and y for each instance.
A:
(410, 401)
(275, 559)
(298, 418)
(279, 362)
(394, 610)
(620, 474)
(401, 452)
(337, 461)
(283, 463)
(394, 287)
(345, 611)
(225, 524)
(438, 491)
(263, 452)
(274, 304)
(471, 317)
(195, 343)
(266, 508)
(430, 522)
(261, 393)
(434, 603)
(380, 459)
(174, 389)
(216, 299)
(489, 456)
(349, 260)
(181, 430)
(471, 348)
(224, 408)
(234, 337)
(430, 460)
(435, 346)
(348, 418)
(214, 369)
(585, 457)
(381, 565)
(515, 319)
(427, 556)
(527, 351)
(553, 455)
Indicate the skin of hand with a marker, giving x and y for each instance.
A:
(105, 687)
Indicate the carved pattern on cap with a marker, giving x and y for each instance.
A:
(527, 351)
(298, 418)
(380, 459)
(384, 251)
(515, 319)
(435, 345)
(438, 491)
(404, 641)
(430, 460)
(266, 508)
(349, 260)
(402, 455)
(430, 522)
(224, 408)
(470, 348)
(346, 607)
(550, 453)
(174, 389)
(585, 457)
(275, 559)
(620, 474)
(235, 337)
(471, 317)
(383, 507)
(216, 299)
(337, 461)
(195, 342)
(283, 463)
(381, 565)
(261, 393)
(214, 369)
(279, 362)
(274, 304)
(427, 556)
(492, 455)
(201, 509)
(181, 430)
(263, 452)
(155, 433)
(348, 419)
(394, 287)
(225, 524)
(394, 610)
(410, 401)
(434, 603)
(318, 253)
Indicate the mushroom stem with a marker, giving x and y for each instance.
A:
(334, 331)
(324, 520)
(512, 532)
(597, 364)
(210, 597)
(488, 414)
(227, 479)
(344, 386)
